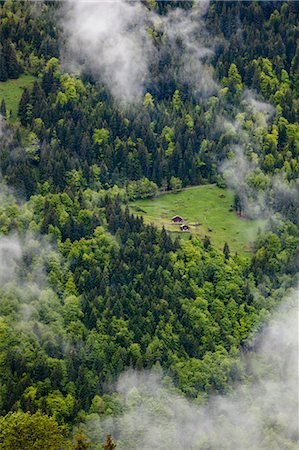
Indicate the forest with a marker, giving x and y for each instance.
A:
(110, 325)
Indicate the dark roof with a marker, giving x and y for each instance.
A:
(177, 217)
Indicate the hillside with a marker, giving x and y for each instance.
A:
(118, 330)
(207, 210)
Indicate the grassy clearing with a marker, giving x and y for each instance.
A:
(207, 210)
(11, 91)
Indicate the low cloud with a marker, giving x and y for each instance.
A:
(186, 34)
(110, 39)
(261, 111)
(113, 41)
(10, 255)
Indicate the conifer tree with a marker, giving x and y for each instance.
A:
(13, 67)
(206, 242)
(23, 107)
(226, 250)
(48, 81)
(3, 109)
(37, 100)
(3, 67)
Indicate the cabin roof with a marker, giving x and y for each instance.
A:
(177, 217)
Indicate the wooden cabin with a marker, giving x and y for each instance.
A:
(184, 227)
(177, 219)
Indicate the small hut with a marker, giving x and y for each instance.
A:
(177, 219)
(184, 227)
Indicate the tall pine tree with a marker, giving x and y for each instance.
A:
(3, 109)
(23, 107)
(14, 69)
(3, 67)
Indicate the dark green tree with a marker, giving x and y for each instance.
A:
(3, 67)
(226, 250)
(206, 242)
(14, 69)
(3, 109)
(23, 107)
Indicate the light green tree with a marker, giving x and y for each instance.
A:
(25, 431)
(175, 183)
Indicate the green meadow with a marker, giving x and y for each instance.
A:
(11, 91)
(207, 210)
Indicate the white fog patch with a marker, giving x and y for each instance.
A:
(187, 36)
(10, 255)
(263, 112)
(23, 277)
(238, 171)
(111, 40)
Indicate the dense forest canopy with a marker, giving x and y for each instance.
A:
(126, 100)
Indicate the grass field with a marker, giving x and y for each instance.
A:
(207, 210)
(11, 91)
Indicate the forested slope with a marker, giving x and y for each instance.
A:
(88, 290)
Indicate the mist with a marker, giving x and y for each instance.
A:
(262, 112)
(261, 414)
(115, 42)
(238, 171)
(25, 257)
(109, 39)
(186, 35)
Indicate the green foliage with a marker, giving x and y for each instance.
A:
(101, 136)
(148, 101)
(25, 431)
(175, 184)
(233, 82)
(141, 189)
(80, 441)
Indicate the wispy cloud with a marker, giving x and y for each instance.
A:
(112, 41)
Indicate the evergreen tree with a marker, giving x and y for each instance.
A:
(234, 81)
(37, 100)
(226, 250)
(206, 242)
(3, 109)
(13, 67)
(23, 107)
(238, 204)
(48, 81)
(3, 67)
(295, 70)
